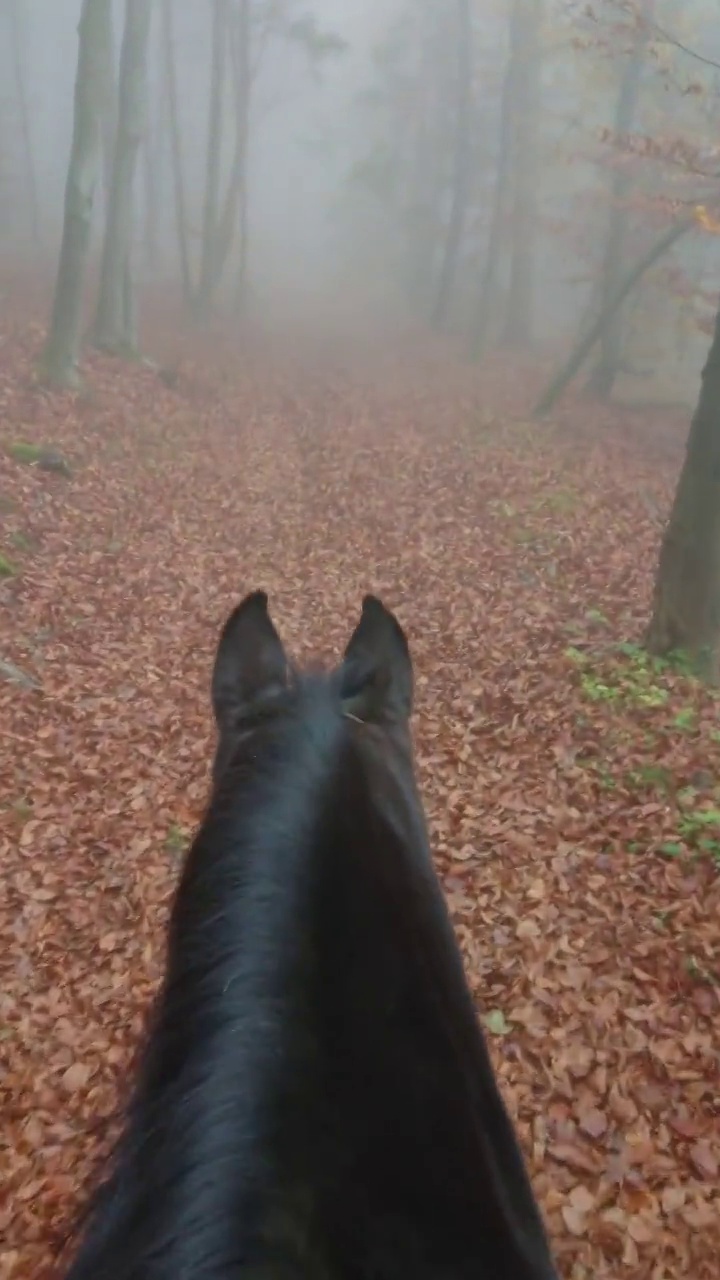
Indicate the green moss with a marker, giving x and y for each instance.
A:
(7, 568)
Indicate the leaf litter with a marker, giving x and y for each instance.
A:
(508, 550)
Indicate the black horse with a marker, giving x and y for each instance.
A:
(315, 1100)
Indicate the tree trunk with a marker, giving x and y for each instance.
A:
(113, 329)
(228, 222)
(603, 376)
(686, 607)
(582, 349)
(525, 54)
(59, 358)
(152, 156)
(243, 73)
(19, 69)
(109, 106)
(461, 174)
(181, 220)
(487, 288)
(214, 151)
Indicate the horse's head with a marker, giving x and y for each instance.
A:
(315, 1095)
(254, 683)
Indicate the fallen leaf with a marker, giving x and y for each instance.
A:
(76, 1076)
(704, 1160)
(593, 1123)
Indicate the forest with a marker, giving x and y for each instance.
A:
(327, 297)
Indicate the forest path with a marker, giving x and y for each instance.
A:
(555, 769)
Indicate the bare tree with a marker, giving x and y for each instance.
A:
(208, 269)
(686, 607)
(60, 354)
(606, 369)
(154, 156)
(588, 338)
(19, 70)
(525, 58)
(109, 106)
(114, 319)
(488, 283)
(178, 177)
(243, 80)
(234, 208)
(461, 168)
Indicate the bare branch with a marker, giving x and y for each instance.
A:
(669, 39)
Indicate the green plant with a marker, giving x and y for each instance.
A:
(631, 682)
(176, 840)
(652, 775)
(700, 829)
(23, 451)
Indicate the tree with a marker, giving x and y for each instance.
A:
(208, 271)
(524, 73)
(178, 177)
(686, 605)
(461, 168)
(604, 373)
(487, 285)
(19, 69)
(60, 354)
(114, 318)
(587, 340)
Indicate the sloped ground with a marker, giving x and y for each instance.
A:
(572, 790)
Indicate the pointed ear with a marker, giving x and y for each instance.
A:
(376, 676)
(250, 660)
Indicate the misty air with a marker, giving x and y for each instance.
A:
(359, 639)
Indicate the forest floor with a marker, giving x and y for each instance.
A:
(573, 787)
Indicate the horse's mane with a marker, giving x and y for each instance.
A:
(196, 1154)
(315, 1098)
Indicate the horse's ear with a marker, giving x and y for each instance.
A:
(250, 660)
(376, 677)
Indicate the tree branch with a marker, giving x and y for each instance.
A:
(669, 39)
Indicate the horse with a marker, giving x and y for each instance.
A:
(314, 1096)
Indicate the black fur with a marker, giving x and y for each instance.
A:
(315, 1099)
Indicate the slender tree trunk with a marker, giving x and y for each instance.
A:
(487, 287)
(228, 222)
(59, 358)
(214, 152)
(181, 219)
(461, 175)
(19, 70)
(244, 81)
(152, 154)
(582, 349)
(109, 106)
(113, 329)
(686, 607)
(423, 184)
(525, 53)
(609, 362)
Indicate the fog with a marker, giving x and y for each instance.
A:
(380, 156)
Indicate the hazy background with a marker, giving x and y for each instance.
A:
(351, 170)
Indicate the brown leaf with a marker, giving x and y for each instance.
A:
(581, 1199)
(76, 1076)
(593, 1122)
(672, 1199)
(574, 1219)
(640, 1229)
(704, 1160)
(573, 1156)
